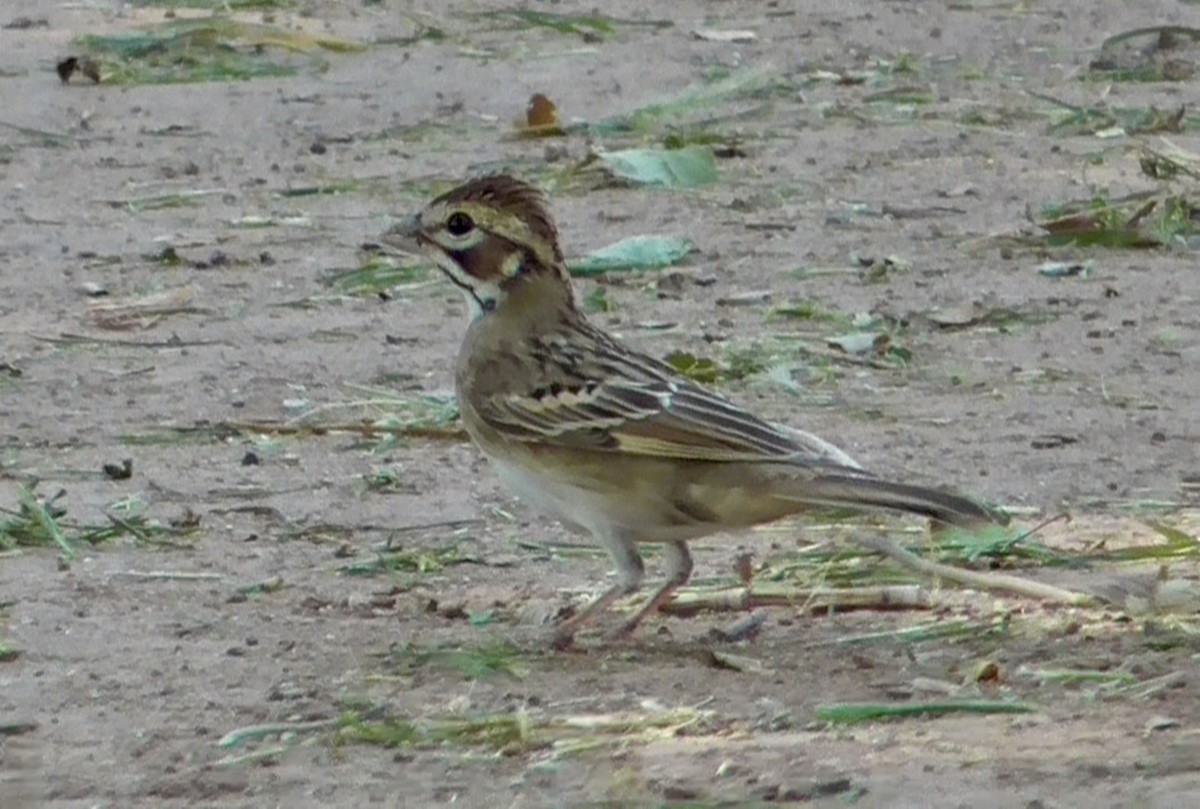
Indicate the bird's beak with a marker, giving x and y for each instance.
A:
(404, 233)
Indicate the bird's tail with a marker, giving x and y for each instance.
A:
(857, 491)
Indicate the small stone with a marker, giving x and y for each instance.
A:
(1162, 723)
(752, 298)
(678, 792)
(285, 691)
(987, 671)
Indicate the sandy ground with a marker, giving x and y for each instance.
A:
(1086, 401)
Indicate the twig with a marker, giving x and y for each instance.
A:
(691, 602)
(971, 578)
(449, 432)
(66, 338)
(425, 526)
(1062, 516)
(1056, 101)
(738, 599)
(41, 133)
(191, 193)
(1155, 686)
(914, 634)
(171, 575)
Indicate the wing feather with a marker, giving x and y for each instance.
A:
(632, 404)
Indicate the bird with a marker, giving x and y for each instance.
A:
(610, 440)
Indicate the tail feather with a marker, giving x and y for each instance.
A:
(858, 491)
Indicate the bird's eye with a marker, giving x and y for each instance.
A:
(459, 224)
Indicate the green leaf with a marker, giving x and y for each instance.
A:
(215, 48)
(597, 300)
(481, 618)
(634, 253)
(701, 369)
(46, 520)
(670, 168)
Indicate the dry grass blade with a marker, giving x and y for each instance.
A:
(988, 582)
(690, 601)
(520, 732)
(448, 431)
(1176, 545)
(938, 630)
(1150, 54)
(170, 575)
(1169, 161)
(124, 314)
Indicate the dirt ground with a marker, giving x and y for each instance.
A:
(126, 666)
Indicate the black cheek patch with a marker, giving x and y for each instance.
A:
(464, 259)
(484, 260)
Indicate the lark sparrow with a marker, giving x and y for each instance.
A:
(612, 441)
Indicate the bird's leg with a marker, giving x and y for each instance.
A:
(677, 563)
(630, 572)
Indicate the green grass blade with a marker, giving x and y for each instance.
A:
(847, 713)
(31, 504)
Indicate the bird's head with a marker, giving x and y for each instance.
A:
(494, 239)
